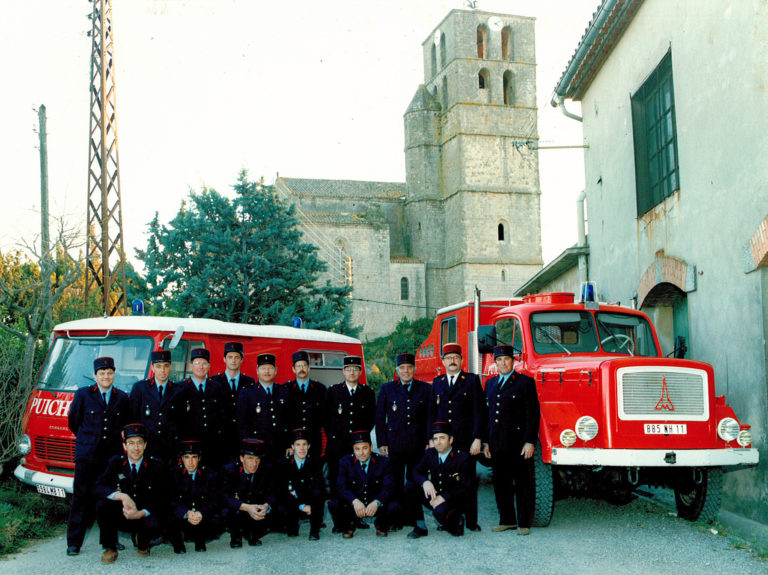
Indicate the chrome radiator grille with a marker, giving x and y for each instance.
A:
(663, 394)
(54, 449)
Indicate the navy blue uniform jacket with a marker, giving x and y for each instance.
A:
(300, 486)
(161, 418)
(513, 413)
(452, 479)
(263, 417)
(377, 483)
(401, 417)
(150, 491)
(345, 413)
(306, 410)
(203, 493)
(98, 427)
(201, 413)
(238, 488)
(462, 405)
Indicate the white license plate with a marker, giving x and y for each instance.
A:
(666, 429)
(49, 490)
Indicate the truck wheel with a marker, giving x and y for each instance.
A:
(700, 502)
(544, 502)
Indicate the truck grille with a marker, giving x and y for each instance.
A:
(55, 449)
(669, 394)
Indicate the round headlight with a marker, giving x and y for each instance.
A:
(586, 428)
(568, 437)
(25, 444)
(744, 438)
(728, 429)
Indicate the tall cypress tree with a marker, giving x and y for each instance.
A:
(241, 260)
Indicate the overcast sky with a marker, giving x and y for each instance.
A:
(306, 88)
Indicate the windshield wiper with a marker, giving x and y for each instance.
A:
(553, 340)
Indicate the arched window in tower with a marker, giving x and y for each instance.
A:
(482, 79)
(443, 51)
(506, 43)
(501, 232)
(445, 93)
(503, 275)
(482, 41)
(509, 89)
(433, 60)
(403, 288)
(343, 263)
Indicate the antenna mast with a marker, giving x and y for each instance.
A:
(105, 257)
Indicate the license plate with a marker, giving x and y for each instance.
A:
(49, 490)
(666, 429)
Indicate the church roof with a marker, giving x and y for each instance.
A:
(346, 219)
(423, 100)
(344, 188)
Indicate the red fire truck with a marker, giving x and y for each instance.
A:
(47, 445)
(615, 413)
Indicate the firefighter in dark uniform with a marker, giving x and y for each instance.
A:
(365, 488)
(133, 495)
(262, 409)
(201, 402)
(232, 381)
(458, 398)
(443, 482)
(96, 417)
(306, 402)
(196, 503)
(249, 494)
(348, 407)
(513, 427)
(402, 431)
(155, 403)
(301, 487)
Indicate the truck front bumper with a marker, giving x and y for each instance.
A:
(742, 457)
(35, 478)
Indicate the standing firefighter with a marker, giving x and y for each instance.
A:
(457, 398)
(306, 402)
(513, 426)
(96, 417)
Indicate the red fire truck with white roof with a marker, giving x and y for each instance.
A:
(47, 444)
(615, 413)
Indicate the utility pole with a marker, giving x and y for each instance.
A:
(105, 256)
(45, 238)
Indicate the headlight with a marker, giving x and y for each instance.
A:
(586, 428)
(25, 444)
(728, 429)
(744, 438)
(568, 437)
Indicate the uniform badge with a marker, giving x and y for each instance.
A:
(341, 409)
(120, 477)
(146, 411)
(394, 406)
(438, 399)
(189, 407)
(258, 408)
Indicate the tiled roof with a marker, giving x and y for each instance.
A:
(344, 219)
(344, 188)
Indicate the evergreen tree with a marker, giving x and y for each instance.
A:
(241, 260)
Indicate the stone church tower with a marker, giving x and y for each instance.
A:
(472, 207)
(468, 213)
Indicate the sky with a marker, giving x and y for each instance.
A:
(205, 88)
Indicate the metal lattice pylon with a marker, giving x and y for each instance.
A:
(105, 258)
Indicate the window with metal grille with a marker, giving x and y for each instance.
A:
(403, 288)
(657, 174)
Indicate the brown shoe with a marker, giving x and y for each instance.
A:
(143, 552)
(109, 556)
(348, 534)
(524, 531)
(380, 533)
(502, 527)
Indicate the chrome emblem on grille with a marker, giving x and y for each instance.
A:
(664, 401)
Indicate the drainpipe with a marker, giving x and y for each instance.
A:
(559, 102)
(583, 272)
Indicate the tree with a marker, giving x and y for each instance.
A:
(240, 260)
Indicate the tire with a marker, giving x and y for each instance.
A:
(700, 502)
(544, 492)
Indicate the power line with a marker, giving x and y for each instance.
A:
(394, 304)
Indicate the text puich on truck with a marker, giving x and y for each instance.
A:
(48, 446)
(615, 413)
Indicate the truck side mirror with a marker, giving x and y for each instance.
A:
(486, 338)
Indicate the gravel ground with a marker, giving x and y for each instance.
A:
(585, 536)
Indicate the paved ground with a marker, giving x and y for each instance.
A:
(586, 536)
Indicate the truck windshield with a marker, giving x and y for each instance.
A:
(625, 334)
(69, 365)
(563, 332)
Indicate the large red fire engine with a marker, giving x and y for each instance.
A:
(615, 413)
(48, 447)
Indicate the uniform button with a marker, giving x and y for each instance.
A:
(105, 428)
(496, 420)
